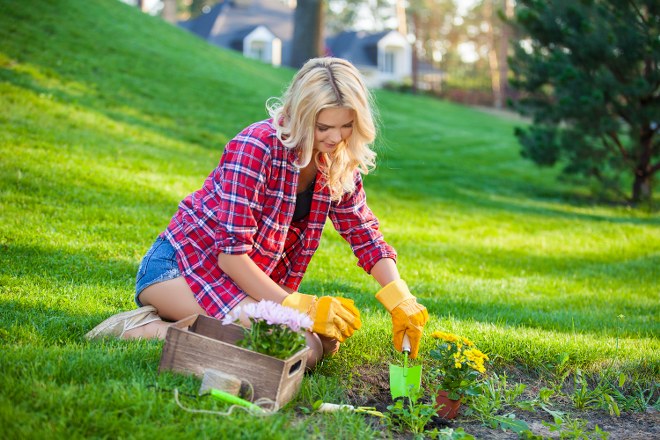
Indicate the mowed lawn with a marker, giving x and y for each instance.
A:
(109, 117)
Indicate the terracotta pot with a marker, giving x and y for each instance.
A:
(450, 407)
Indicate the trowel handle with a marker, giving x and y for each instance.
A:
(234, 400)
(406, 343)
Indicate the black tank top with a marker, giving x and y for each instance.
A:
(304, 202)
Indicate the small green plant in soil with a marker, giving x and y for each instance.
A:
(411, 413)
(576, 429)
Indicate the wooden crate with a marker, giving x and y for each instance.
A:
(198, 343)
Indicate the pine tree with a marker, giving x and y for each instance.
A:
(589, 72)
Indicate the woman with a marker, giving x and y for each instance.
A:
(249, 233)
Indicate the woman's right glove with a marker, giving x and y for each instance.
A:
(408, 316)
(334, 317)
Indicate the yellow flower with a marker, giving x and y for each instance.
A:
(467, 342)
(477, 358)
(475, 355)
(445, 336)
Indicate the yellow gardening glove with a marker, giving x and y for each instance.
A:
(408, 317)
(334, 317)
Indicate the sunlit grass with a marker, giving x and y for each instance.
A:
(109, 117)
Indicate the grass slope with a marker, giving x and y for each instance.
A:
(109, 117)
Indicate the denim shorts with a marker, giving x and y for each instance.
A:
(158, 265)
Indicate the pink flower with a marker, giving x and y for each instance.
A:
(272, 313)
(232, 316)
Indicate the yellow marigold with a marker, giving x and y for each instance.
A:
(445, 336)
(467, 342)
(475, 354)
(477, 358)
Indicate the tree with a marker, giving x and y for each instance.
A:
(307, 32)
(169, 11)
(486, 26)
(498, 36)
(197, 7)
(591, 75)
(432, 24)
(343, 15)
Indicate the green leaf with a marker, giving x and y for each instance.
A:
(509, 422)
(622, 379)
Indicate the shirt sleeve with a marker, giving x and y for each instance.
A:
(238, 182)
(358, 225)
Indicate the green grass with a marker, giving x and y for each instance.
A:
(109, 117)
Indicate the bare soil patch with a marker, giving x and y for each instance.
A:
(371, 388)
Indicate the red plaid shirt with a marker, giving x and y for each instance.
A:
(246, 205)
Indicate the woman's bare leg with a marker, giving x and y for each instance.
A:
(173, 300)
(316, 349)
(330, 345)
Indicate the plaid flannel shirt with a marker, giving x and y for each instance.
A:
(246, 205)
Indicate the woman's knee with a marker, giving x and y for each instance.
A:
(173, 299)
(315, 349)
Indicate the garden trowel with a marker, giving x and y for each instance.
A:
(405, 381)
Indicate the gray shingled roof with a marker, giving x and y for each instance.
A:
(228, 20)
(358, 46)
(203, 24)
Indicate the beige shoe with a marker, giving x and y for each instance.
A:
(118, 324)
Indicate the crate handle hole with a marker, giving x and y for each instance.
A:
(295, 367)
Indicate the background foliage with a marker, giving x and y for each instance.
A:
(591, 81)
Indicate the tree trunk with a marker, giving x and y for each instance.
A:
(642, 190)
(642, 187)
(503, 52)
(169, 11)
(489, 17)
(413, 52)
(307, 32)
(401, 17)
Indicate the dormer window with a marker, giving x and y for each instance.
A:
(258, 50)
(389, 62)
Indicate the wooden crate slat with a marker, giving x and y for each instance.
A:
(198, 343)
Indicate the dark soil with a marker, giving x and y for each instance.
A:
(371, 388)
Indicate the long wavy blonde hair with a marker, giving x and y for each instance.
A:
(327, 83)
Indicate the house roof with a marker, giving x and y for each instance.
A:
(358, 46)
(238, 39)
(202, 24)
(231, 20)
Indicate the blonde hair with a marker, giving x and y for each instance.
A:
(327, 83)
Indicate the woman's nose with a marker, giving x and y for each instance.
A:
(335, 135)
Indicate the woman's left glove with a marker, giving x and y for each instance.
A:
(408, 316)
(334, 317)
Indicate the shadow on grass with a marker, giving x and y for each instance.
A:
(556, 204)
(497, 264)
(54, 279)
(499, 194)
(590, 319)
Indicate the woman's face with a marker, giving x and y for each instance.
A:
(333, 125)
